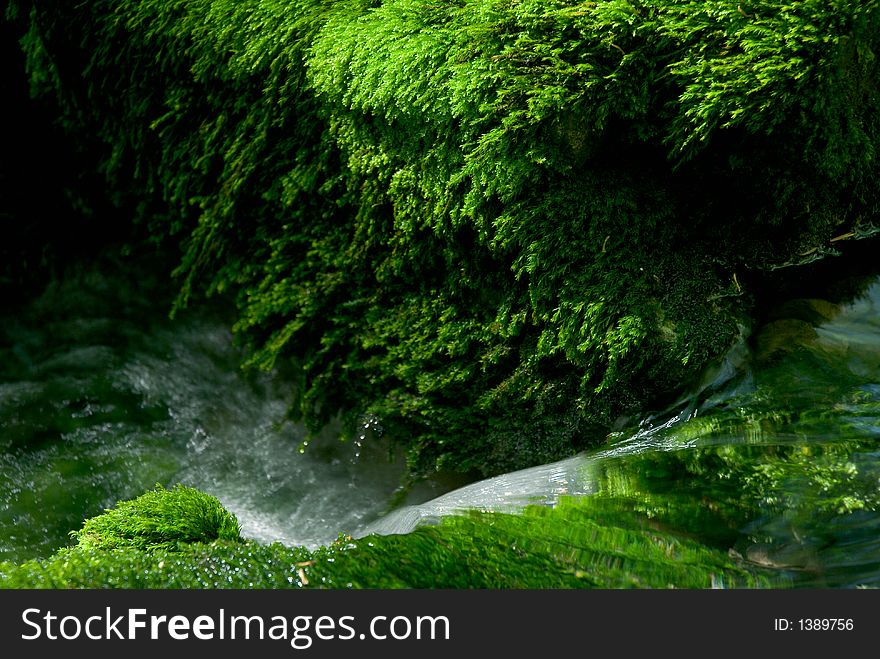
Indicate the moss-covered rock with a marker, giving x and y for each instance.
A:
(493, 226)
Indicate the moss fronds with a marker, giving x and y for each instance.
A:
(476, 220)
(159, 519)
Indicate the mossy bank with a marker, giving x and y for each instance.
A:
(164, 539)
(491, 226)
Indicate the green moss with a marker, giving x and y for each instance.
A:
(589, 542)
(476, 221)
(158, 519)
(221, 564)
(582, 543)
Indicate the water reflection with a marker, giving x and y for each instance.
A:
(775, 459)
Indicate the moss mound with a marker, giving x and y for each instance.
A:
(159, 519)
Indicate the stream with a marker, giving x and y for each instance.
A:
(102, 397)
(773, 457)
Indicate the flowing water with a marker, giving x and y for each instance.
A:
(774, 458)
(102, 397)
